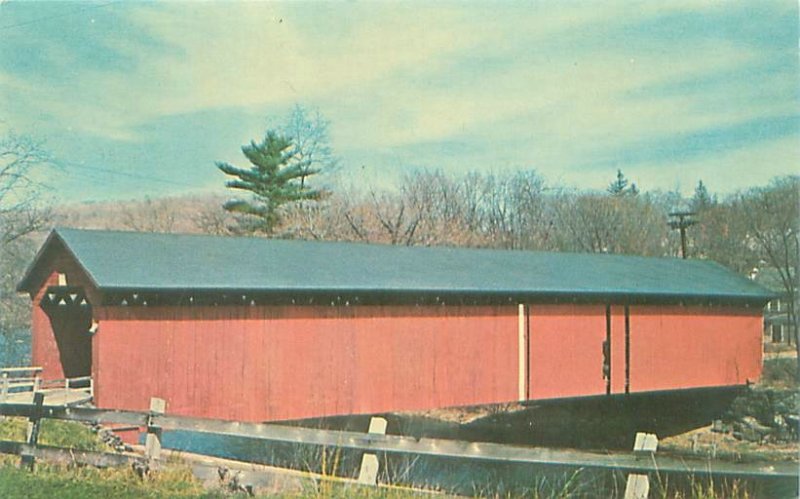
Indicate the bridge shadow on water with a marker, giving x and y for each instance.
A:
(601, 422)
(597, 423)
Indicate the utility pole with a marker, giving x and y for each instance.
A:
(682, 220)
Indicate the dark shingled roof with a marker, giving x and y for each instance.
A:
(118, 261)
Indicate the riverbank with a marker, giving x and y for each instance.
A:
(761, 424)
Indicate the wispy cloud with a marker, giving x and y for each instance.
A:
(575, 90)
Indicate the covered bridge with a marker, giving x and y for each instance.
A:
(258, 329)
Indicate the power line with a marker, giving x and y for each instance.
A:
(58, 16)
(149, 178)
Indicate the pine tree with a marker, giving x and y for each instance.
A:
(275, 179)
(702, 199)
(619, 187)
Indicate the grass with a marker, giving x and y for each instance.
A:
(174, 480)
(63, 482)
(79, 482)
(700, 488)
(55, 433)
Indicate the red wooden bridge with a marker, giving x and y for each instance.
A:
(255, 329)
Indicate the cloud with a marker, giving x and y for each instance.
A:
(142, 61)
(712, 141)
(569, 88)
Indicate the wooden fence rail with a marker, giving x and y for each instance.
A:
(481, 451)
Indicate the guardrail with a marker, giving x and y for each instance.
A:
(155, 422)
(10, 370)
(12, 382)
(80, 382)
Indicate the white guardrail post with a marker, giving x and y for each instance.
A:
(152, 443)
(368, 474)
(638, 486)
(4, 392)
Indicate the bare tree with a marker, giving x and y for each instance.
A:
(150, 216)
(214, 220)
(308, 131)
(21, 211)
(447, 215)
(22, 214)
(397, 216)
(420, 212)
(325, 220)
(601, 223)
(431, 208)
(772, 218)
(516, 211)
(722, 235)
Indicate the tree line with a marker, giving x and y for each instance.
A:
(745, 231)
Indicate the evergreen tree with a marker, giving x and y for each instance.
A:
(702, 199)
(275, 178)
(619, 187)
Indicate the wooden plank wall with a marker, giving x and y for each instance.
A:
(671, 347)
(566, 356)
(273, 363)
(286, 362)
(44, 348)
(681, 347)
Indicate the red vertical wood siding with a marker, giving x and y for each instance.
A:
(684, 347)
(44, 349)
(272, 363)
(566, 350)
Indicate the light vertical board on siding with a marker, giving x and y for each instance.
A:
(522, 353)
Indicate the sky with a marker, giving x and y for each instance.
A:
(138, 99)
